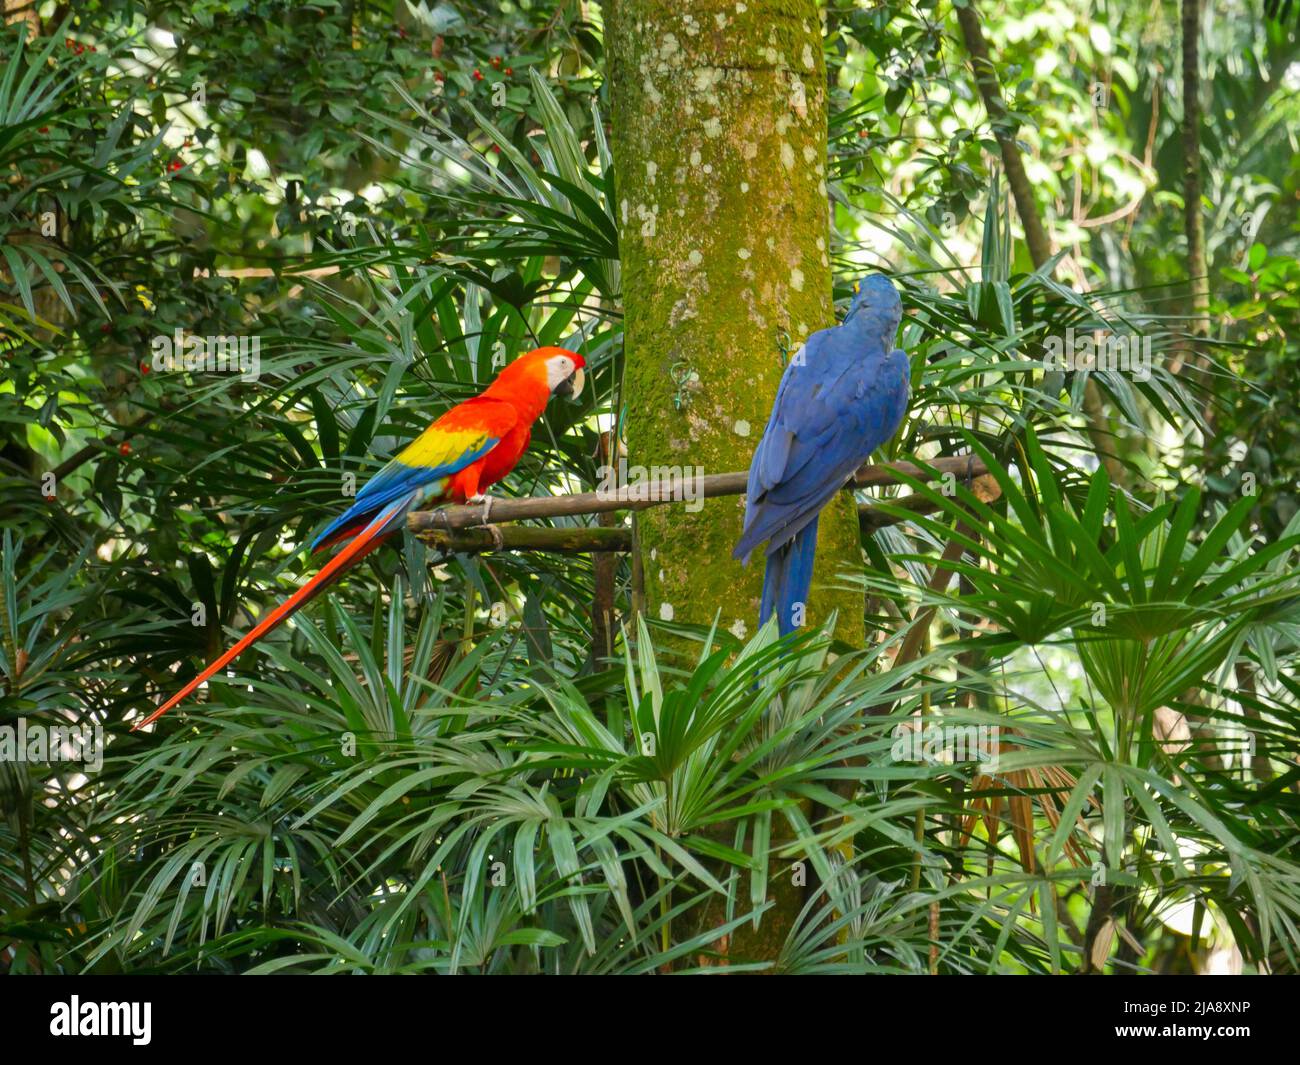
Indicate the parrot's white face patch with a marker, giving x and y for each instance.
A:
(561, 370)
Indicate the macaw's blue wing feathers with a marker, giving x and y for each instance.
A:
(842, 396)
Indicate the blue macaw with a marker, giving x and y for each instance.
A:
(842, 396)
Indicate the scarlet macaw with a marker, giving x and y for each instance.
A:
(469, 448)
(842, 396)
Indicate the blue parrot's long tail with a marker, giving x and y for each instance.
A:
(788, 578)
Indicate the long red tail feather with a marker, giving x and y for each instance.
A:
(366, 541)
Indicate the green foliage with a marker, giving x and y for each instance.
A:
(432, 768)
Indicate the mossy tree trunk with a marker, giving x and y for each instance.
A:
(719, 137)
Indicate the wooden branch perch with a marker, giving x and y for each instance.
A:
(575, 540)
(459, 528)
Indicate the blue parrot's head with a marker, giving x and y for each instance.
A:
(877, 309)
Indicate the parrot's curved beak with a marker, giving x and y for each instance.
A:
(571, 386)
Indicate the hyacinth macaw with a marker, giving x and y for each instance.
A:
(842, 396)
(472, 446)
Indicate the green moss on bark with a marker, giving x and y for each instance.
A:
(719, 120)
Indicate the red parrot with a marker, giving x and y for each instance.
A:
(454, 460)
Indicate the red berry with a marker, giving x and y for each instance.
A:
(496, 61)
(478, 74)
(509, 71)
(144, 367)
(440, 76)
(124, 447)
(105, 328)
(44, 129)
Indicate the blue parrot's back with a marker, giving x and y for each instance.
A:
(842, 396)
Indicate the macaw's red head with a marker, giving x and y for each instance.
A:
(542, 373)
